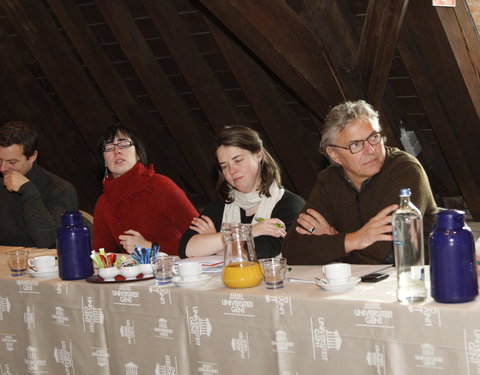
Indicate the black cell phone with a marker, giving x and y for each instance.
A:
(374, 277)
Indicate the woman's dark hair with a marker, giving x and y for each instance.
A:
(247, 139)
(118, 129)
(19, 133)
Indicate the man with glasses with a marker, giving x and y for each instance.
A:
(31, 198)
(347, 216)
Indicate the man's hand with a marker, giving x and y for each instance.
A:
(14, 180)
(313, 223)
(132, 238)
(378, 228)
(202, 224)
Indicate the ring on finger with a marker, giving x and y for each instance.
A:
(312, 230)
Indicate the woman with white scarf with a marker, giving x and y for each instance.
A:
(250, 188)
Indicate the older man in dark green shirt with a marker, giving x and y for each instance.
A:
(347, 216)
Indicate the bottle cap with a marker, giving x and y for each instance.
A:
(405, 192)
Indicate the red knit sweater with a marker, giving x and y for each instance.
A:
(144, 201)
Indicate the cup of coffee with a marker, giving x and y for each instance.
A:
(42, 263)
(18, 262)
(189, 271)
(337, 273)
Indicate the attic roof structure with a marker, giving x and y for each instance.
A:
(178, 70)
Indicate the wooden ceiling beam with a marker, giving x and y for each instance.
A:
(328, 20)
(62, 69)
(60, 149)
(277, 119)
(277, 36)
(202, 81)
(127, 108)
(381, 28)
(186, 131)
(462, 35)
(447, 102)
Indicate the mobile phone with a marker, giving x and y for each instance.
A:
(374, 277)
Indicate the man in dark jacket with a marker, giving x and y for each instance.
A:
(31, 198)
(347, 216)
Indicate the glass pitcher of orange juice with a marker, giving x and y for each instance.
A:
(240, 268)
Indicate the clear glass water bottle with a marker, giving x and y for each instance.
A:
(407, 225)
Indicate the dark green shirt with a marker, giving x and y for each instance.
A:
(348, 210)
(31, 216)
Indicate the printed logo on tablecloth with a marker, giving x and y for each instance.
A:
(4, 306)
(131, 368)
(169, 367)
(207, 368)
(323, 339)
(91, 315)
(238, 305)
(9, 340)
(126, 296)
(372, 315)
(63, 355)
(431, 315)
(281, 343)
(284, 304)
(29, 317)
(128, 331)
(27, 286)
(197, 326)
(59, 317)
(472, 343)
(428, 358)
(240, 344)
(163, 293)
(162, 330)
(5, 369)
(32, 362)
(62, 288)
(101, 354)
(377, 359)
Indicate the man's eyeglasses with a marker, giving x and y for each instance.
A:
(107, 147)
(357, 146)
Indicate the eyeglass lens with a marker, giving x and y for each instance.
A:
(359, 145)
(111, 146)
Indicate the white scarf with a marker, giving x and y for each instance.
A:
(231, 213)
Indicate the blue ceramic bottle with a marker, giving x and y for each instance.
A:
(74, 248)
(453, 269)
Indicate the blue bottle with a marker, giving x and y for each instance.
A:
(453, 268)
(74, 248)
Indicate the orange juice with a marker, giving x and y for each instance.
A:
(242, 274)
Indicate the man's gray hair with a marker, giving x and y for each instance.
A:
(341, 115)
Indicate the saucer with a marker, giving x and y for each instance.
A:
(190, 283)
(339, 287)
(50, 273)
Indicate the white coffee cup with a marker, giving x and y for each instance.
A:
(189, 271)
(337, 273)
(42, 263)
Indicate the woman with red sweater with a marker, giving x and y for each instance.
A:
(138, 207)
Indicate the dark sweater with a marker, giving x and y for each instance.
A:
(286, 210)
(31, 216)
(348, 210)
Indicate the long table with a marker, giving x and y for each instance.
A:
(76, 327)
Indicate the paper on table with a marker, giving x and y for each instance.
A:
(307, 275)
(211, 264)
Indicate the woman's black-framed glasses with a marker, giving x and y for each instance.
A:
(357, 146)
(107, 147)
